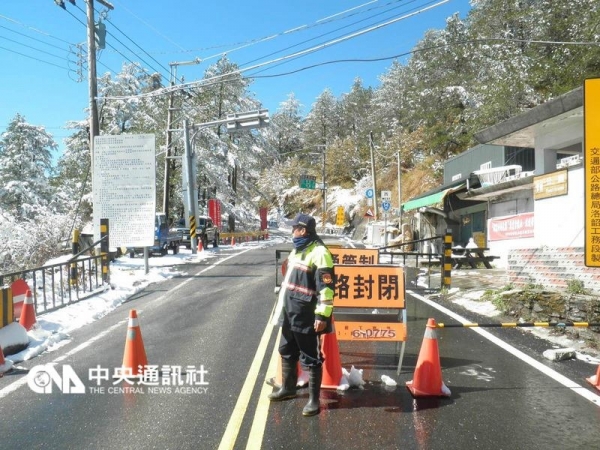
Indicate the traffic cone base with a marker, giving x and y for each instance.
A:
(594, 380)
(427, 379)
(28, 319)
(332, 367)
(134, 357)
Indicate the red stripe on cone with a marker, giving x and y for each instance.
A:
(332, 368)
(27, 319)
(427, 379)
(134, 356)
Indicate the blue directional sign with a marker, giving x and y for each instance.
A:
(386, 206)
(369, 193)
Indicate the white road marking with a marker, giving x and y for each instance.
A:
(578, 389)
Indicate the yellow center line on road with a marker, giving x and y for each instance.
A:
(262, 409)
(237, 416)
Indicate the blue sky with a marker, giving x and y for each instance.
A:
(38, 46)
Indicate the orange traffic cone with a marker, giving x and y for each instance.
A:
(427, 379)
(594, 380)
(332, 368)
(134, 357)
(27, 319)
(200, 247)
(232, 241)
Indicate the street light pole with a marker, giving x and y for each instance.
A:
(399, 192)
(373, 173)
(324, 217)
(235, 122)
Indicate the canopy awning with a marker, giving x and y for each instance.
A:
(432, 199)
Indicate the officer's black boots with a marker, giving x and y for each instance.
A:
(289, 375)
(314, 391)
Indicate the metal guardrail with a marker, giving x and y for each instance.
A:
(413, 260)
(53, 286)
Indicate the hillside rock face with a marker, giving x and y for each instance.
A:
(539, 305)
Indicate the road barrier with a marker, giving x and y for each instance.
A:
(243, 236)
(428, 378)
(518, 324)
(6, 306)
(361, 292)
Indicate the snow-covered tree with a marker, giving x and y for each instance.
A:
(284, 133)
(322, 122)
(25, 168)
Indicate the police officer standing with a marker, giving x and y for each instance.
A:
(304, 311)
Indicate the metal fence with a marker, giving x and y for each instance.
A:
(57, 285)
(423, 270)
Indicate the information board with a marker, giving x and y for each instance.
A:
(124, 188)
(551, 184)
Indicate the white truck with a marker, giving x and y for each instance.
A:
(164, 239)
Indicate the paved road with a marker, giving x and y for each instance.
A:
(216, 317)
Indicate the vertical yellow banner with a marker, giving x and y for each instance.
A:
(591, 149)
(340, 218)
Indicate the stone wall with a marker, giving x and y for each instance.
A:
(552, 268)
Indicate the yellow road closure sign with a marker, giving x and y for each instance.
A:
(369, 303)
(374, 286)
(591, 148)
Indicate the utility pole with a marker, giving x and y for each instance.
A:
(324, 192)
(170, 114)
(399, 192)
(373, 173)
(92, 78)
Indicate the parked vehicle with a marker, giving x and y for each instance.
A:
(205, 230)
(164, 239)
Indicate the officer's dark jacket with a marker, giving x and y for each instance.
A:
(308, 289)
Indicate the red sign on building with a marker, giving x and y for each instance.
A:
(214, 211)
(510, 227)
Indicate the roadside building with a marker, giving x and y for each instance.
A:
(520, 193)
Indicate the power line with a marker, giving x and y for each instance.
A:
(8, 19)
(111, 46)
(160, 65)
(122, 6)
(34, 48)
(410, 11)
(220, 78)
(35, 59)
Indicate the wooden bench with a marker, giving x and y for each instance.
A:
(472, 257)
